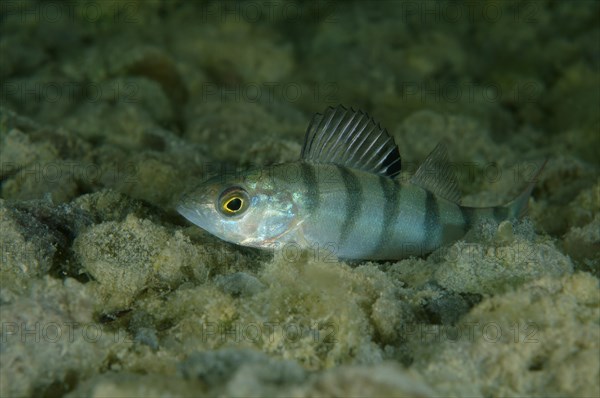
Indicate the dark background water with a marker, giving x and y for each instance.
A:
(510, 64)
(194, 87)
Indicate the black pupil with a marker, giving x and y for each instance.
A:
(234, 204)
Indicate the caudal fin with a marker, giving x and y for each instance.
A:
(517, 208)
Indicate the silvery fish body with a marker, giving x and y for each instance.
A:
(343, 196)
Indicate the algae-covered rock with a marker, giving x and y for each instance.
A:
(147, 172)
(585, 206)
(482, 167)
(34, 169)
(35, 237)
(235, 51)
(420, 132)
(241, 372)
(218, 120)
(380, 380)
(390, 314)
(118, 256)
(17, 151)
(126, 257)
(583, 244)
(520, 343)
(251, 373)
(248, 373)
(22, 258)
(109, 205)
(239, 284)
(54, 321)
(303, 311)
(472, 267)
(127, 384)
(572, 185)
(582, 240)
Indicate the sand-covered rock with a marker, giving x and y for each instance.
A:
(126, 257)
(507, 262)
(55, 320)
(519, 343)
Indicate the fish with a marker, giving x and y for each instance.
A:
(344, 194)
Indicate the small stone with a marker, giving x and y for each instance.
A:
(239, 284)
(505, 233)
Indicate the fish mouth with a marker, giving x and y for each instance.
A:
(182, 209)
(192, 214)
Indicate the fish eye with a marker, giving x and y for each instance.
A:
(234, 204)
(233, 201)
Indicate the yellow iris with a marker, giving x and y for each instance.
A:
(233, 201)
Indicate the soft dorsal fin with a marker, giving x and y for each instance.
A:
(353, 139)
(436, 175)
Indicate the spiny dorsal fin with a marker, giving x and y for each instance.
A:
(436, 175)
(353, 139)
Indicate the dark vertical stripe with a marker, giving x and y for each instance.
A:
(353, 203)
(467, 215)
(390, 190)
(452, 226)
(311, 185)
(500, 213)
(432, 215)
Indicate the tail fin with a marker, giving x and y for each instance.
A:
(517, 207)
